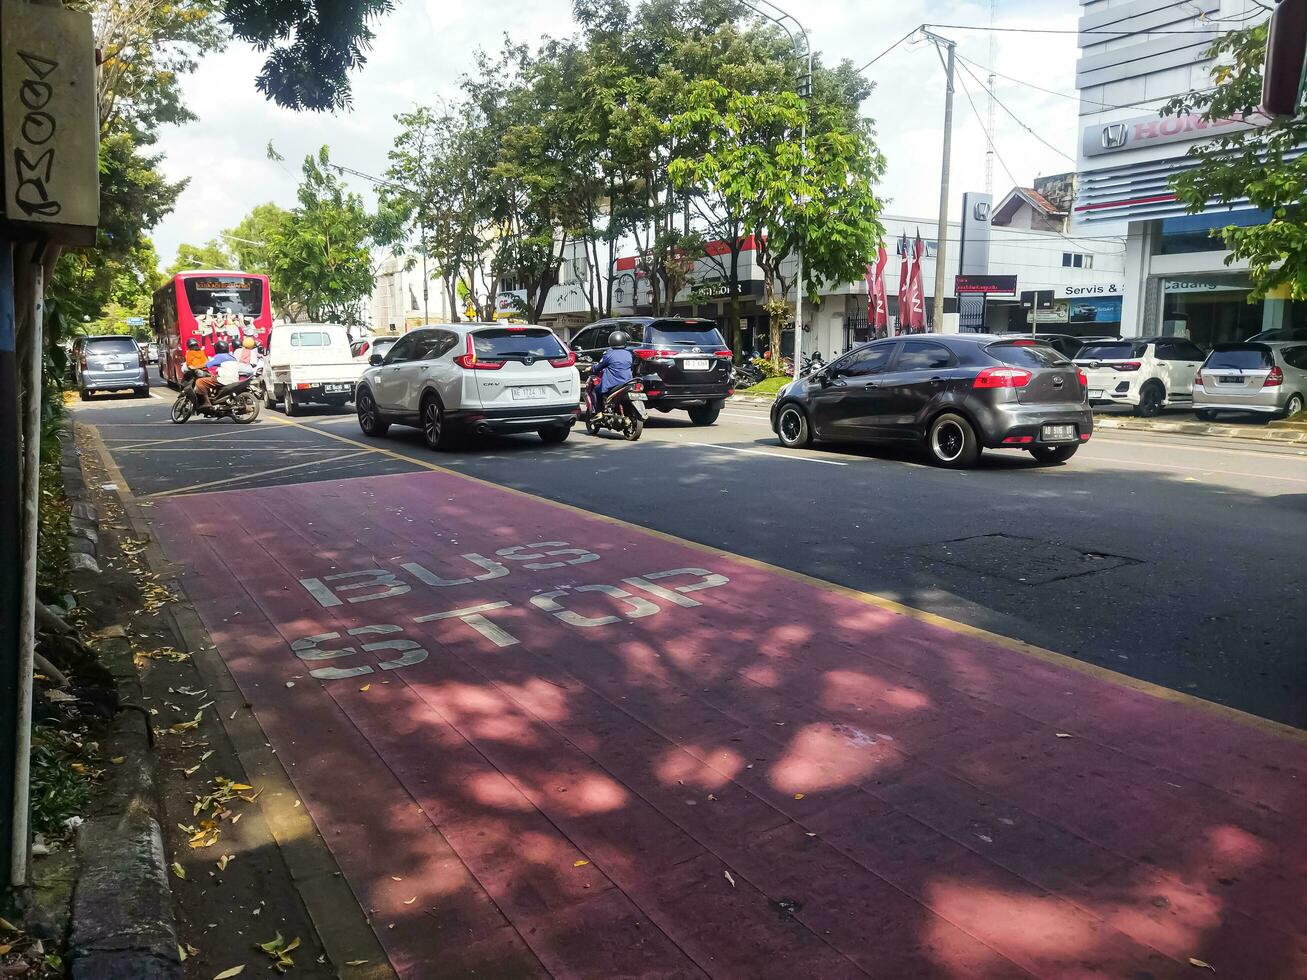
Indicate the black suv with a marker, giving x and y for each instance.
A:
(689, 357)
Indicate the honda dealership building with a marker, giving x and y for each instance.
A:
(1134, 56)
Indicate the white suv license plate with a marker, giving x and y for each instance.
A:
(1095, 392)
(1057, 433)
(527, 392)
(337, 389)
(697, 365)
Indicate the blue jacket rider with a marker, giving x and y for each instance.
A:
(614, 368)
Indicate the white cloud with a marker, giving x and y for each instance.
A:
(422, 49)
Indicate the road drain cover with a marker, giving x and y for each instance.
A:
(1026, 560)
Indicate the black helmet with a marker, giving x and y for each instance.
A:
(618, 338)
(220, 347)
(193, 344)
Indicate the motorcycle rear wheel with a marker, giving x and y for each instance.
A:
(246, 409)
(633, 430)
(592, 426)
(183, 408)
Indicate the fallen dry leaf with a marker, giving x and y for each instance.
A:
(729, 878)
(5, 947)
(118, 760)
(181, 954)
(355, 962)
(1201, 964)
(798, 796)
(223, 861)
(1065, 735)
(235, 971)
(580, 863)
(365, 687)
(178, 870)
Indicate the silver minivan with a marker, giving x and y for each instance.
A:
(1266, 378)
(109, 363)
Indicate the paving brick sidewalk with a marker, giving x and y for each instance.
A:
(726, 770)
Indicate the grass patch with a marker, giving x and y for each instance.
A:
(768, 386)
(54, 524)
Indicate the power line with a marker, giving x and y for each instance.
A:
(889, 49)
(1016, 118)
(1065, 30)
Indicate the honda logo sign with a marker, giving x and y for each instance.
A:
(1114, 136)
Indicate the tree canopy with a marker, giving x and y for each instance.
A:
(1261, 165)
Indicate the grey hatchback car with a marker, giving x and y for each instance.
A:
(954, 394)
(112, 363)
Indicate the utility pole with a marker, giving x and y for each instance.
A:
(989, 85)
(941, 234)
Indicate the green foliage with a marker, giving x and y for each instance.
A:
(1262, 165)
(769, 385)
(771, 367)
(314, 45)
(211, 255)
(321, 254)
(59, 790)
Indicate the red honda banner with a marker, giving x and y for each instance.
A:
(871, 293)
(878, 317)
(905, 283)
(918, 310)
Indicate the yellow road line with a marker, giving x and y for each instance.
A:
(880, 602)
(246, 476)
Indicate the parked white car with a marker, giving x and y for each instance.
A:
(473, 378)
(1147, 374)
(1262, 378)
(310, 362)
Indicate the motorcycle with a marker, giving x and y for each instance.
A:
(813, 362)
(747, 375)
(240, 402)
(624, 408)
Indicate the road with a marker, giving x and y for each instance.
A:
(695, 707)
(1176, 560)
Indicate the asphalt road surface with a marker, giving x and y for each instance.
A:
(1176, 560)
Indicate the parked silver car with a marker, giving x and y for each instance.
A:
(1266, 378)
(112, 363)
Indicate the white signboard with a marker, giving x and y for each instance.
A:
(1094, 289)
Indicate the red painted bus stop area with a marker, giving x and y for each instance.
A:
(540, 743)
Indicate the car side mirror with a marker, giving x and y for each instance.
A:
(376, 360)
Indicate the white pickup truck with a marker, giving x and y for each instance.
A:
(310, 362)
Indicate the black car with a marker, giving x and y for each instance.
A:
(689, 357)
(1063, 343)
(956, 394)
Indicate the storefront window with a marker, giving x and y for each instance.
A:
(1192, 232)
(1209, 310)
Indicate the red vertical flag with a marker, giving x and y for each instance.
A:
(918, 291)
(905, 283)
(879, 319)
(871, 293)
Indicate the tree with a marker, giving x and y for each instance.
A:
(1261, 165)
(249, 241)
(210, 255)
(322, 256)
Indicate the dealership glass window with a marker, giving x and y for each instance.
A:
(1211, 316)
(1193, 232)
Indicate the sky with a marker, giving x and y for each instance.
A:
(424, 46)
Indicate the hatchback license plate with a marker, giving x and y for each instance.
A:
(697, 365)
(336, 389)
(113, 366)
(1057, 433)
(1230, 380)
(533, 391)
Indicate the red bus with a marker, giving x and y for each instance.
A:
(210, 305)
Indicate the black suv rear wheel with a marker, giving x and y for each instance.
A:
(952, 442)
(705, 414)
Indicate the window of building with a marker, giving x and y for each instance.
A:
(1077, 260)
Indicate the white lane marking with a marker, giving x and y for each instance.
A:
(1268, 453)
(217, 453)
(1205, 470)
(763, 419)
(761, 452)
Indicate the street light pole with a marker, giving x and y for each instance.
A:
(941, 234)
(799, 39)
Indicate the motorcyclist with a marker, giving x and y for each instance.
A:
(195, 356)
(614, 369)
(205, 384)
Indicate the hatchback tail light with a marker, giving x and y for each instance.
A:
(1275, 378)
(1126, 366)
(469, 360)
(1002, 377)
(563, 362)
(648, 353)
(1080, 376)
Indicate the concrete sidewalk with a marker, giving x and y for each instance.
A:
(550, 744)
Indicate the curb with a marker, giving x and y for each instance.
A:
(122, 914)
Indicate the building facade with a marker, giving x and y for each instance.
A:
(397, 303)
(1136, 55)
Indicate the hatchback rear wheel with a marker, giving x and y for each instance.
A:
(952, 442)
(1053, 454)
(1294, 405)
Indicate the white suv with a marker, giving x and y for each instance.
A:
(1145, 373)
(472, 378)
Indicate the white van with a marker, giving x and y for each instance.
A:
(310, 362)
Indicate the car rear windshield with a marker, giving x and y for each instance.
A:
(1027, 353)
(1248, 357)
(511, 342)
(111, 345)
(1110, 352)
(679, 333)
